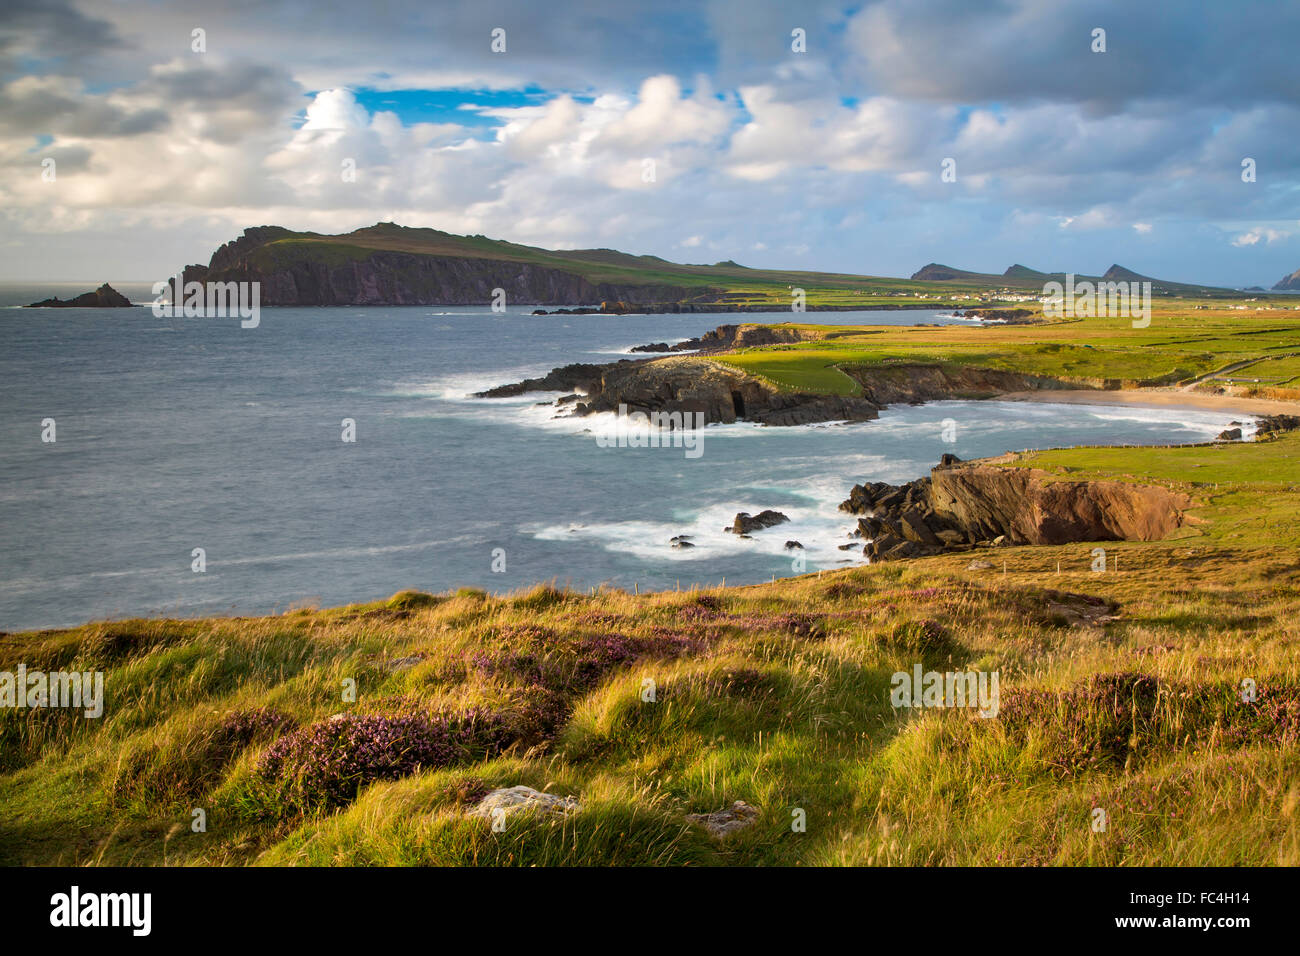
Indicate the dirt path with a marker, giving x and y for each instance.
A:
(1223, 371)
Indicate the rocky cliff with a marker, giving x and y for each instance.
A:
(301, 272)
(904, 383)
(965, 504)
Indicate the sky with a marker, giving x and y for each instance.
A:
(805, 135)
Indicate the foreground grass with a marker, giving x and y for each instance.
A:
(777, 695)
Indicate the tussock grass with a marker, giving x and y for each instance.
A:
(777, 695)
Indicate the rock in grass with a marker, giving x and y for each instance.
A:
(724, 822)
(510, 800)
(979, 566)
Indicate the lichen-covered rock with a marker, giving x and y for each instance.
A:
(511, 800)
(724, 822)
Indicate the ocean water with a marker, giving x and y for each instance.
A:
(176, 434)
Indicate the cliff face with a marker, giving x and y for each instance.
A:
(1028, 509)
(962, 505)
(903, 383)
(323, 274)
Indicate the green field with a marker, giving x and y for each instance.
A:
(1179, 345)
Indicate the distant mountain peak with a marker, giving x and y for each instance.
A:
(937, 271)
(1289, 283)
(1118, 272)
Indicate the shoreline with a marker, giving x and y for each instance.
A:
(1155, 399)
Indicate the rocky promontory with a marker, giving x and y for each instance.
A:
(687, 385)
(724, 394)
(105, 297)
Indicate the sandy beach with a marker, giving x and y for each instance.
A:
(1156, 398)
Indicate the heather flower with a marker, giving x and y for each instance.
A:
(327, 763)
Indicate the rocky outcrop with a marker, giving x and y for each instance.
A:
(1270, 426)
(963, 505)
(105, 297)
(1003, 316)
(719, 393)
(726, 337)
(745, 522)
(581, 377)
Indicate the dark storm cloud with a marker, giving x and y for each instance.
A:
(50, 33)
(1202, 53)
(37, 108)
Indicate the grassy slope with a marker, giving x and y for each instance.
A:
(753, 705)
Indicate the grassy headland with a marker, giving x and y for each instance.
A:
(1182, 343)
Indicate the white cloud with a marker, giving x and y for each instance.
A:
(1256, 236)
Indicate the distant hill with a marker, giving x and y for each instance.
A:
(1020, 276)
(1289, 283)
(1117, 273)
(1024, 272)
(936, 272)
(389, 264)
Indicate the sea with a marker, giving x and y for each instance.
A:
(198, 467)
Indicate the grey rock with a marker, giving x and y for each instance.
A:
(725, 822)
(512, 800)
